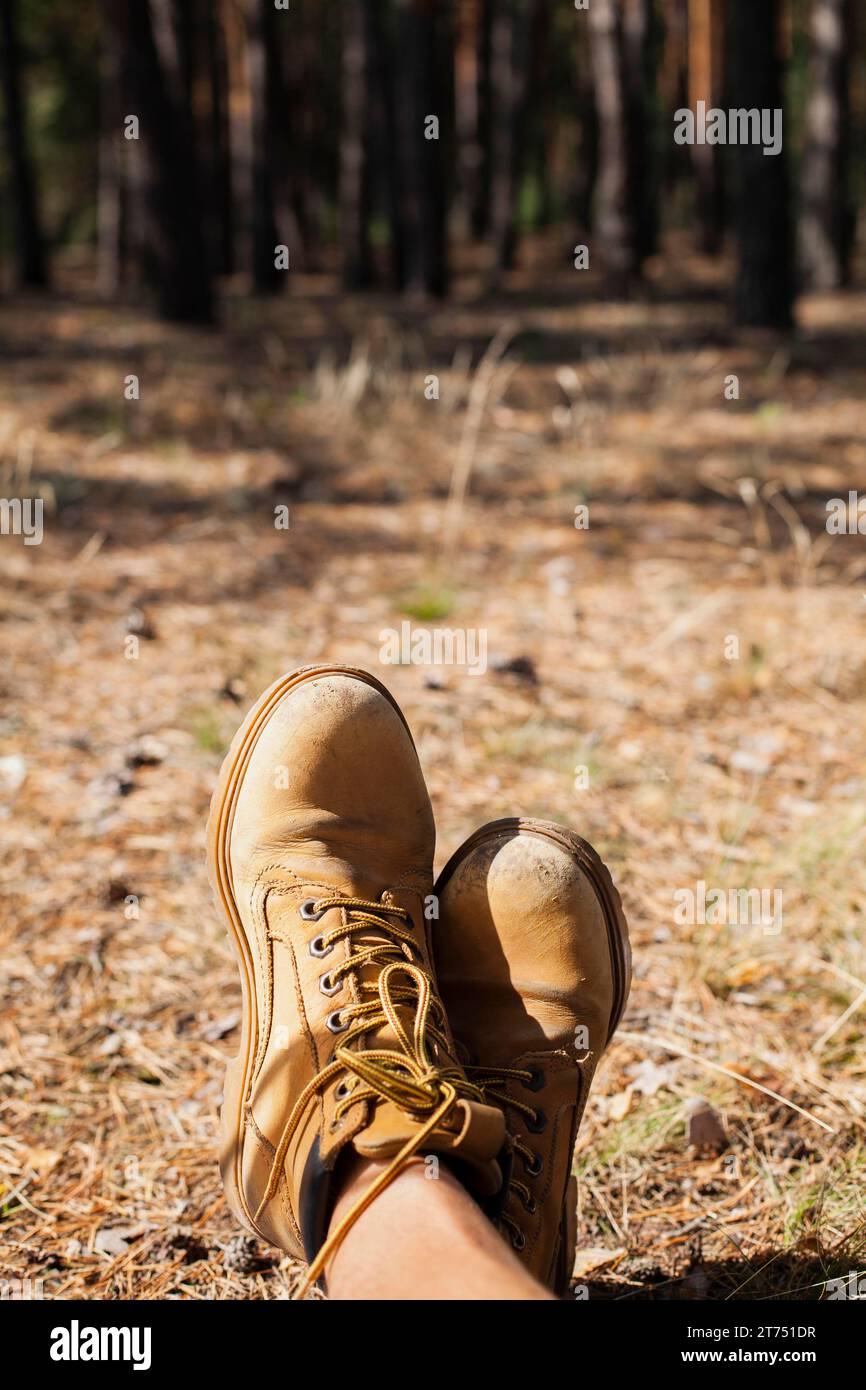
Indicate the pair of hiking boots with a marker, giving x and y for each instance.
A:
(388, 1018)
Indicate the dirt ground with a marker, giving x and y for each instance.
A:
(683, 681)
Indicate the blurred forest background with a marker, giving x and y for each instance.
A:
(261, 125)
(281, 300)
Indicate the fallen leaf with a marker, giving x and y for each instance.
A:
(43, 1160)
(619, 1105)
(585, 1261)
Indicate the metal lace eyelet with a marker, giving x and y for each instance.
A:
(532, 1167)
(335, 1022)
(530, 1205)
(308, 912)
(329, 986)
(318, 947)
(536, 1080)
(343, 1090)
(518, 1240)
(537, 1122)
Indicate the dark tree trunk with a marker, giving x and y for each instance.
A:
(285, 143)
(187, 18)
(541, 125)
(386, 171)
(312, 63)
(614, 224)
(191, 35)
(705, 84)
(467, 111)
(677, 167)
(587, 146)
(826, 217)
(516, 40)
(173, 246)
(221, 217)
(481, 209)
(639, 46)
(503, 109)
(763, 289)
(421, 95)
(111, 178)
(355, 133)
(263, 77)
(30, 265)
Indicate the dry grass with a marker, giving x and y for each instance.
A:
(706, 521)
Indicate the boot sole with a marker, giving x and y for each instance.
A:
(238, 1078)
(620, 958)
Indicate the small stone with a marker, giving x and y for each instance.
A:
(117, 891)
(139, 624)
(523, 667)
(704, 1129)
(13, 771)
(234, 689)
(146, 751)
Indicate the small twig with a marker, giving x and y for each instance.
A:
(725, 1071)
(479, 392)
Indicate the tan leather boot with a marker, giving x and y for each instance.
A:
(534, 967)
(320, 845)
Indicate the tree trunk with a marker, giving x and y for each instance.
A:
(420, 97)
(583, 190)
(763, 289)
(483, 78)
(638, 47)
(467, 111)
(355, 133)
(705, 84)
(541, 136)
(503, 104)
(174, 254)
(515, 82)
(30, 265)
(826, 220)
(221, 217)
(677, 166)
(111, 179)
(284, 140)
(385, 166)
(613, 217)
(261, 53)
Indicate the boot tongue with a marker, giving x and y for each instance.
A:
(473, 1133)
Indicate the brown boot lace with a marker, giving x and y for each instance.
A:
(411, 1076)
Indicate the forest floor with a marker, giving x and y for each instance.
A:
(697, 650)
